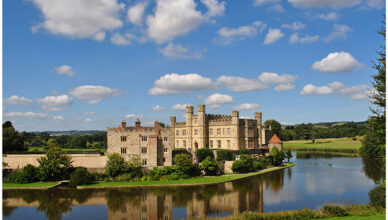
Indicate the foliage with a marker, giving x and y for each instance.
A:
(276, 157)
(17, 177)
(184, 165)
(173, 176)
(31, 173)
(12, 140)
(244, 165)
(100, 176)
(81, 176)
(115, 165)
(203, 153)
(275, 126)
(260, 164)
(243, 151)
(377, 196)
(288, 155)
(302, 214)
(333, 211)
(55, 166)
(210, 166)
(224, 155)
(134, 167)
(156, 173)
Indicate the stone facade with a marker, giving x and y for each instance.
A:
(228, 132)
(151, 144)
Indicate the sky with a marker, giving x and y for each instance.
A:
(89, 64)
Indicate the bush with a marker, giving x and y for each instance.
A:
(210, 166)
(333, 211)
(244, 165)
(377, 196)
(203, 153)
(55, 166)
(184, 176)
(99, 176)
(260, 164)
(302, 214)
(224, 155)
(173, 176)
(184, 165)
(31, 173)
(81, 176)
(124, 177)
(244, 151)
(276, 157)
(17, 177)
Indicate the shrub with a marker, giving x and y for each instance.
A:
(224, 155)
(210, 166)
(173, 176)
(81, 176)
(244, 165)
(116, 165)
(333, 211)
(203, 153)
(260, 164)
(17, 177)
(55, 166)
(184, 176)
(244, 151)
(31, 173)
(99, 176)
(276, 157)
(124, 177)
(377, 196)
(184, 164)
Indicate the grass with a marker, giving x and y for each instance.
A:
(42, 185)
(191, 181)
(344, 145)
(40, 149)
(370, 217)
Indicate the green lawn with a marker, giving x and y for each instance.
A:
(30, 185)
(40, 149)
(370, 217)
(346, 145)
(191, 181)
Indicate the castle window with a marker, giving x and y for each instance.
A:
(165, 150)
(177, 143)
(228, 144)
(218, 131)
(164, 159)
(195, 132)
(143, 150)
(228, 131)
(144, 162)
(210, 131)
(184, 143)
(219, 143)
(123, 150)
(211, 144)
(177, 132)
(143, 138)
(165, 138)
(250, 143)
(184, 132)
(123, 138)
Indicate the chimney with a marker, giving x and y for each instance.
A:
(137, 124)
(123, 124)
(157, 127)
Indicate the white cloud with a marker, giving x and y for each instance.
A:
(376, 4)
(216, 100)
(337, 62)
(33, 115)
(175, 83)
(51, 108)
(133, 116)
(274, 78)
(273, 35)
(90, 113)
(228, 35)
(294, 26)
(53, 101)
(262, 2)
(157, 108)
(284, 87)
(180, 107)
(93, 94)
(79, 19)
(339, 32)
(136, 12)
(88, 120)
(58, 118)
(64, 70)
(215, 8)
(274, 4)
(307, 39)
(246, 106)
(17, 100)
(176, 51)
(122, 40)
(277, 7)
(239, 84)
(324, 3)
(54, 92)
(332, 16)
(354, 92)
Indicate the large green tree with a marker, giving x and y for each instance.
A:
(55, 165)
(275, 126)
(12, 140)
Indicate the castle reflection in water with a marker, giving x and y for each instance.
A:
(151, 203)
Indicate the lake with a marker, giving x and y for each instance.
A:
(316, 179)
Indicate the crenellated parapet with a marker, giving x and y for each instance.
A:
(218, 117)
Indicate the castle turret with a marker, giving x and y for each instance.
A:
(202, 128)
(258, 118)
(236, 130)
(172, 125)
(189, 126)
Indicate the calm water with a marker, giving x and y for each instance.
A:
(314, 181)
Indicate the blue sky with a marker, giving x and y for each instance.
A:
(90, 64)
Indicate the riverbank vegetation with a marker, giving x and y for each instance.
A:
(339, 145)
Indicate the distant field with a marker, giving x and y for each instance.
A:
(40, 149)
(347, 145)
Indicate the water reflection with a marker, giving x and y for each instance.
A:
(313, 182)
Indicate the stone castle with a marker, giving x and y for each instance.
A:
(154, 145)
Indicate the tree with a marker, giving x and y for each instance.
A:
(275, 126)
(50, 144)
(224, 155)
(12, 140)
(55, 166)
(80, 176)
(184, 164)
(244, 165)
(115, 165)
(288, 155)
(209, 165)
(203, 153)
(276, 156)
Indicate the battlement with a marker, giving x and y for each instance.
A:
(214, 117)
(180, 124)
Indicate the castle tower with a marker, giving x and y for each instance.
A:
(189, 126)
(236, 130)
(202, 128)
(258, 118)
(172, 125)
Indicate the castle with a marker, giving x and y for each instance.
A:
(154, 145)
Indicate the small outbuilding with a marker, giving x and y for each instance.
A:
(275, 142)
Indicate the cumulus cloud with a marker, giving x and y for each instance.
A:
(135, 13)
(375, 4)
(228, 35)
(263, 2)
(354, 92)
(157, 108)
(58, 118)
(274, 78)
(51, 108)
(180, 107)
(17, 100)
(307, 39)
(123, 39)
(294, 26)
(173, 18)
(94, 94)
(246, 106)
(88, 120)
(337, 62)
(217, 100)
(79, 19)
(175, 83)
(33, 115)
(64, 70)
(61, 100)
(274, 4)
(340, 31)
(284, 87)
(332, 16)
(133, 116)
(239, 84)
(177, 51)
(324, 3)
(273, 35)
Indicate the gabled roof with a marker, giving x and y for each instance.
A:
(275, 140)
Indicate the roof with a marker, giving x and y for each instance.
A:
(275, 140)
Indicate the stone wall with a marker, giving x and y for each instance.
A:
(228, 166)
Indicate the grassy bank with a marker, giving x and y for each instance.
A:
(40, 185)
(370, 217)
(191, 181)
(340, 145)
